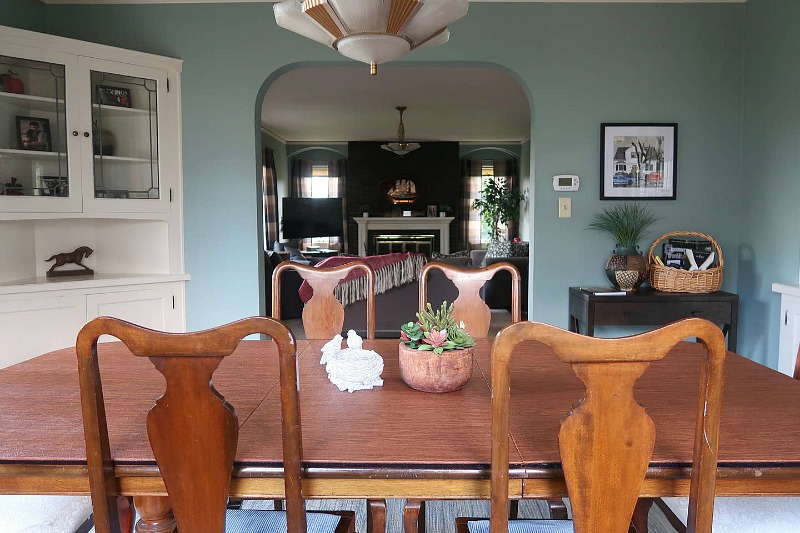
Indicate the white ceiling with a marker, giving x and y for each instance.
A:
(338, 104)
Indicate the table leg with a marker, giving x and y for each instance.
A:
(156, 514)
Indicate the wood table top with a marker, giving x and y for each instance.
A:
(394, 431)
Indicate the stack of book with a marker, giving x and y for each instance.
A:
(673, 252)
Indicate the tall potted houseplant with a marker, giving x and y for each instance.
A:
(435, 352)
(497, 205)
(627, 224)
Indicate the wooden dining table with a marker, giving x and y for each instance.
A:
(392, 441)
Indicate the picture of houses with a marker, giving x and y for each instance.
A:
(638, 161)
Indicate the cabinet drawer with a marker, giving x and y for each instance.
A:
(656, 313)
(717, 312)
(627, 314)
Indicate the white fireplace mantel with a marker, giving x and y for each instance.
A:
(367, 224)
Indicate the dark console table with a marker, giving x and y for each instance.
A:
(652, 308)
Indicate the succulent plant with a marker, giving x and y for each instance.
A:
(436, 330)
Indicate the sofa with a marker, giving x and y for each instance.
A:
(400, 304)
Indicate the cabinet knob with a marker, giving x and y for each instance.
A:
(75, 133)
(697, 313)
(85, 133)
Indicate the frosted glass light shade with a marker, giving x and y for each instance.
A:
(400, 148)
(373, 48)
(371, 31)
(290, 15)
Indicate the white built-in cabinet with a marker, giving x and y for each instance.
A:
(90, 155)
(790, 326)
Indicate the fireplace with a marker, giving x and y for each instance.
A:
(378, 235)
(384, 242)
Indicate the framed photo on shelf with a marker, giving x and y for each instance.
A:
(33, 133)
(114, 96)
(433, 211)
(55, 186)
(638, 161)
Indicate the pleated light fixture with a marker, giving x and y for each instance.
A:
(371, 31)
(401, 147)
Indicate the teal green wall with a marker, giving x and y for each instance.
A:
(580, 64)
(770, 218)
(26, 14)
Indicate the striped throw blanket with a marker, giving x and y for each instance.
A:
(391, 270)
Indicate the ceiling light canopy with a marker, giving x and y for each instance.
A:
(371, 31)
(401, 147)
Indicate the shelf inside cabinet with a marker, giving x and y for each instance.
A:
(34, 103)
(31, 154)
(120, 159)
(117, 111)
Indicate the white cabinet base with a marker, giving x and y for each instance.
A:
(36, 319)
(790, 326)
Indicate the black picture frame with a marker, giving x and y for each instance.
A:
(432, 211)
(638, 161)
(114, 96)
(33, 133)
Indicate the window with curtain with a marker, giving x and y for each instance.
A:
(320, 179)
(475, 175)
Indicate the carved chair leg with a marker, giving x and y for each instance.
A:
(513, 509)
(156, 514)
(376, 516)
(639, 522)
(558, 510)
(414, 516)
(125, 513)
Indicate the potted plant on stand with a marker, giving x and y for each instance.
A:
(627, 224)
(498, 205)
(435, 352)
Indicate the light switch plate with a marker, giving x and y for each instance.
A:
(565, 208)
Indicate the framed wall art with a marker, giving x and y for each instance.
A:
(638, 161)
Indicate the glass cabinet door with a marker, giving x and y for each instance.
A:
(126, 145)
(36, 173)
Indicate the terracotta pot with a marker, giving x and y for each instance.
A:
(430, 372)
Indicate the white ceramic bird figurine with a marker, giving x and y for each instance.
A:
(333, 345)
(353, 340)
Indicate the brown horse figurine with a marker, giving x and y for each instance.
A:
(71, 257)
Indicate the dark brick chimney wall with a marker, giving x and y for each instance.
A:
(434, 168)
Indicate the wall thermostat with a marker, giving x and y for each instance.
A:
(566, 182)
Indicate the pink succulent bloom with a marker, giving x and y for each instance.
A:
(435, 338)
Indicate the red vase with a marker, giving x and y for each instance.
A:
(12, 84)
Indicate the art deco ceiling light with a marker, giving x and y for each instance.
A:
(401, 147)
(371, 31)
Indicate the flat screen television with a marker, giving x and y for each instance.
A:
(312, 217)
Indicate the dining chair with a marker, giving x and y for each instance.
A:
(323, 318)
(780, 514)
(607, 432)
(197, 477)
(470, 308)
(323, 314)
(45, 514)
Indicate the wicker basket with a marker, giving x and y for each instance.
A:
(670, 279)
